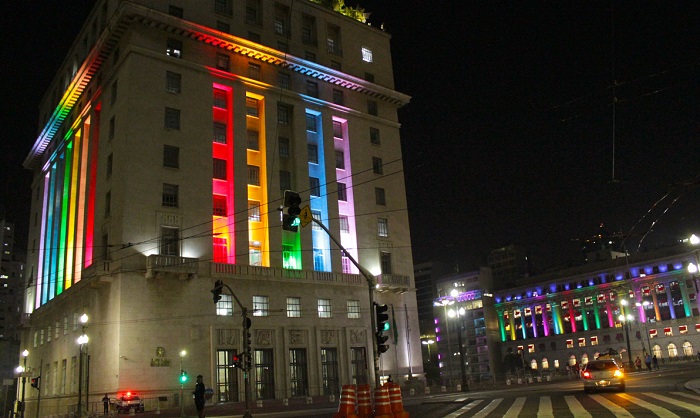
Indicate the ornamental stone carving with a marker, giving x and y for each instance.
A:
(227, 337)
(297, 337)
(329, 337)
(263, 337)
(358, 336)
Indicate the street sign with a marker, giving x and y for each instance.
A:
(305, 216)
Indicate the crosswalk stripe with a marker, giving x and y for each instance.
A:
(687, 395)
(576, 408)
(489, 408)
(686, 405)
(545, 410)
(658, 410)
(515, 409)
(612, 407)
(464, 409)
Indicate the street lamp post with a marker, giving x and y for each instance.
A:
(626, 325)
(444, 303)
(457, 314)
(25, 353)
(183, 353)
(82, 341)
(428, 343)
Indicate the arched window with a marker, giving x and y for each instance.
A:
(545, 363)
(672, 350)
(584, 359)
(533, 364)
(656, 351)
(572, 360)
(596, 355)
(556, 363)
(687, 348)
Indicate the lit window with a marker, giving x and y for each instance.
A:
(253, 211)
(251, 106)
(224, 307)
(312, 151)
(254, 175)
(366, 54)
(174, 48)
(222, 62)
(170, 195)
(383, 227)
(293, 307)
(581, 342)
(594, 340)
(354, 309)
(261, 306)
(531, 349)
(569, 343)
(344, 224)
(324, 308)
(683, 329)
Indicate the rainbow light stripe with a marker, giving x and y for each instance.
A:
(223, 226)
(319, 204)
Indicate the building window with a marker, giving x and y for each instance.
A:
(293, 307)
(353, 309)
(111, 128)
(281, 20)
(253, 140)
(176, 11)
(251, 106)
(171, 156)
(254, 71)
(173, 82)
(224, 307)
(345, 264)
(254, 256)
(366, 54)
(316, 214)
(170, 195)
(342, 192)
(319, 261)
(254, 175)
(219, 169)
(337, 129)
(284, 80)
(340, 160)
(377, 167)
(329, 371)
(324, 308)
(310, 123)
(174, 48)
(264, 374)
(374, 136)
(110, 161)
(358, 361)
(312, 152)
(338, 97)
(383, 227)
(220, 98)
(299, 380)
(169, 241)
(380, 196)
(315, 186)
(372, 108)
(261, 306)
(253, 211)
(219, 205)
(308, 29)
(312, 89)
(223, 7)
(284, 147)
(285, 180)
(252, 12)
(344, 223)
(283, 114)
(223, 62)
(385, 261)
(333, 40)
(172, 118)
(108, 202)
(219, 133)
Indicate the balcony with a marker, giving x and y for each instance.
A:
(393, 283)
(221, 270)
(160, 266)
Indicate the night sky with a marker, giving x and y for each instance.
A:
(509, 134)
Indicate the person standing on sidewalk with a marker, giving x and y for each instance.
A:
(655, 362)
(638, 364)
(647, 361)
(199, 390)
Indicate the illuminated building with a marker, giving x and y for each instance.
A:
(167, 140)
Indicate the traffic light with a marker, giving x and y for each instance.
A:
(382, 325)
(237, 361)
(290, 220)
(183, 377)
(35, 382)
(216, 291)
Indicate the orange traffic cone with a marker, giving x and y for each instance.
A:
(364, 402)
(346, 407)
(396, 401)
(382, 406)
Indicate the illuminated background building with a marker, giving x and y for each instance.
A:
(166, 141)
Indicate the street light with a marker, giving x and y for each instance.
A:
(82, 371)
(25, 353)
(456, 314)
(625, 320)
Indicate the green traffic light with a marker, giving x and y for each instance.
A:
(386, 327)
(296, 222)
(183, 377)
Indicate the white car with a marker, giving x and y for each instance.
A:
(603, 374)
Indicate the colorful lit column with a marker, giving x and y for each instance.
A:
(545, 320)
(501, 325)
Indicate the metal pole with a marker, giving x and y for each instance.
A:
(449, 348)
(465, 387)
(626, 325)
(80, 382)
(24, 385)
(87, 380)
(38, 399)
(182, 400)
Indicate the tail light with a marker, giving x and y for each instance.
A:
(618, 373)
(586, 375)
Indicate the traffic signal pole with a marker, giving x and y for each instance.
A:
(370, 285)
(216, 291)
